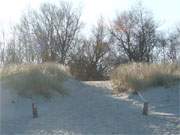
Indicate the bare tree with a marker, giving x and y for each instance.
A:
(169, 46)
(66, 29)
(178, 28)
(48, 34)
(161, 48)
(55, 29)
(12, 50)
(26, 43)
(174, 46)
(135, 33)
(2, 48)
(91, 60)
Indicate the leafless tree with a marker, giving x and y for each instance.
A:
(169, 46)
(2, 47)
(135, 33)
(12, 50)
(161, 48)
(91, 60)
(55, 29)
(48, 34)
(174, 46)
(26, 43)
(178, 28)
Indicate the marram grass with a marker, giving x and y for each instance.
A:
(35, 79)
(139, 76)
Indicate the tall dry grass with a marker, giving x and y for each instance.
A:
(35, 79)
(139, 76)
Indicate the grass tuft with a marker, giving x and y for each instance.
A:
(35, 79)
(139, 76)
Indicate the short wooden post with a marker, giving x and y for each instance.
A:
(145, 108)
(34, 111)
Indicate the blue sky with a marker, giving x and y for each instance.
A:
(166, 12)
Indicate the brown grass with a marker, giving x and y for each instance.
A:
(35, 79)
(139, 76)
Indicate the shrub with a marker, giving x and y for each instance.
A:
(137, 76)
(35, 79)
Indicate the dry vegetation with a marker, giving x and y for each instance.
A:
(139, 76)
(35, 79)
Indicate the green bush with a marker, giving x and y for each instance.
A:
(35, 79)
(138, 76)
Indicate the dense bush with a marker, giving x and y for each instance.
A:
(138, 76)
(35, 79)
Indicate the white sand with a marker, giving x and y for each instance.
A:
(91, 110)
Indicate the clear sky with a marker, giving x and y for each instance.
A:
(166, 12)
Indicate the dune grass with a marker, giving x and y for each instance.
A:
(35, 79)
(139, 76)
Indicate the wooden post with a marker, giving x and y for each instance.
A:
(145, 105)
(145, 108)
(34, 111)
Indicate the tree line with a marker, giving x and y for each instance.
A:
(53, 34)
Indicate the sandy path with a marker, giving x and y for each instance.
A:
(87, 110)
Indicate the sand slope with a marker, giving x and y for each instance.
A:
(91, 110)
